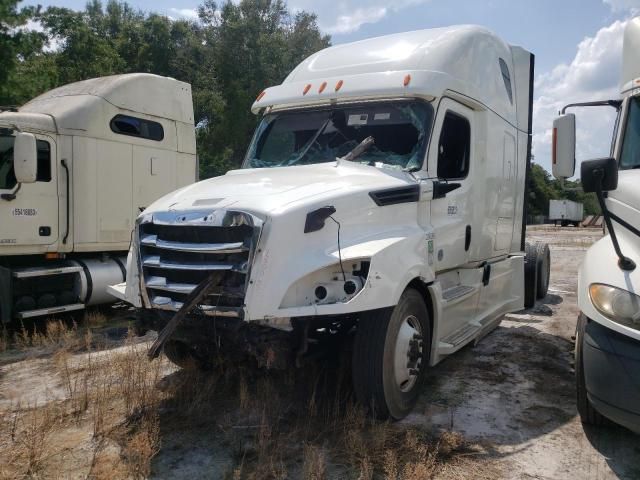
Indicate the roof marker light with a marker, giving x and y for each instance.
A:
(407, 80)
(306, 89)
(262, 94)
(339, 85)
(322, 87)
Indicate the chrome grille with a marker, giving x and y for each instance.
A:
(178, 250)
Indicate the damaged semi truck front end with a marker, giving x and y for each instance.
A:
(381, 196)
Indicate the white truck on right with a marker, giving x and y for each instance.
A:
(565, 212)
(608, 329)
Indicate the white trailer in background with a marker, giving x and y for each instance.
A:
(566, 212)
(382, 196)
(77, 166)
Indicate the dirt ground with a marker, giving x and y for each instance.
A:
(515, 389)
(511, 397)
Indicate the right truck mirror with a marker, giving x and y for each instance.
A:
(600, 174)
(564, 146)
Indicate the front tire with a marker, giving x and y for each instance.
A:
(391, 355)
(588, 414)
(184, 356)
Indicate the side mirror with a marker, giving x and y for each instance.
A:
(25, 157)
(564, 146)
(601, 173)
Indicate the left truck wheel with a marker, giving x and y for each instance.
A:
(180, 354)
(391, 355)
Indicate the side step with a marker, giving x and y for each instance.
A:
(457, 292)
(50, 311)
(458, 338)
(41, 272)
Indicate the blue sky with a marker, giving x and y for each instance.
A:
(577, 44)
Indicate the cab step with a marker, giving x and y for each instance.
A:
(458, 338)
(31, 272)
(50, 311)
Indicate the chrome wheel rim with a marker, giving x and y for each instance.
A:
(408, 353)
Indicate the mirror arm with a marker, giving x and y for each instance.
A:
(11, 196)
(625, 263)
(601, 103)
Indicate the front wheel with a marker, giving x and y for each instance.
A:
(390, 356)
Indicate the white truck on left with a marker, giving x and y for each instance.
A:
(77, 166)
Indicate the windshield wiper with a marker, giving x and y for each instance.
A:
(362, 147)
(311, 142)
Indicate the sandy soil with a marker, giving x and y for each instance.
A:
(515, 390)
(512, 394)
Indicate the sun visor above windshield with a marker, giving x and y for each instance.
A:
(397, 84)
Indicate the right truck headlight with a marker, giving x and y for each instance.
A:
(618, 305)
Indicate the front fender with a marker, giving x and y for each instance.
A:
(395, 260)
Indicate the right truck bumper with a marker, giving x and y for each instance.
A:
(612, 374)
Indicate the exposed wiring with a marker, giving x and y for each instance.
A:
(344, 277)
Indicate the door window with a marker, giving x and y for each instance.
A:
(454, 147)
(7, 175)
(630, 157)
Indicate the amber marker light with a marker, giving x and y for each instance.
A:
(306, 89)
(322, 87)
(339, 85)
(262, 93)
(407, 80)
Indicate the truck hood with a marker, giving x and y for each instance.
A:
(271, 190)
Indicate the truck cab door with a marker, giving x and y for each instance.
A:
(31, 218)
(450, 164)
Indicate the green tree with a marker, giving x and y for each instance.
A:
(17, 44)
(249, 46)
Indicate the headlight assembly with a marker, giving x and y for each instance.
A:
(618, 305)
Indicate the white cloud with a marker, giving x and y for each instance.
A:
(593, 74)
(352, 22)
(188, 13)
(349, 16)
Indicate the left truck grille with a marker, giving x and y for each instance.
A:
(178, 250)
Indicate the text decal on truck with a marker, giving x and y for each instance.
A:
(24, 212)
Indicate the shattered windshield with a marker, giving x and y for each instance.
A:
(399, 131)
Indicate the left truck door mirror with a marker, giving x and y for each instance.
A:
(25, 157)
(563, 162)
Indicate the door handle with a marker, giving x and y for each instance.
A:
(440, 188)
(63, 162)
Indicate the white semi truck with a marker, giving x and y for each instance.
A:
(382, 196)
(77, 166)
(608, 328)
(566, 212)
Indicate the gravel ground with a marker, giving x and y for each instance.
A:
(514, 391)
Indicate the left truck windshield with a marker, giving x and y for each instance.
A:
(399, 129)
(7, 175)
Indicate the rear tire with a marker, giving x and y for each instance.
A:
(530, 275)
(544, 269)
(390, 357)
(588, 414)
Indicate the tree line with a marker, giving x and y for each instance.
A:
(228, 55)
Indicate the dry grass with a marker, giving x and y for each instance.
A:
(119, 409)
(107, 424)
